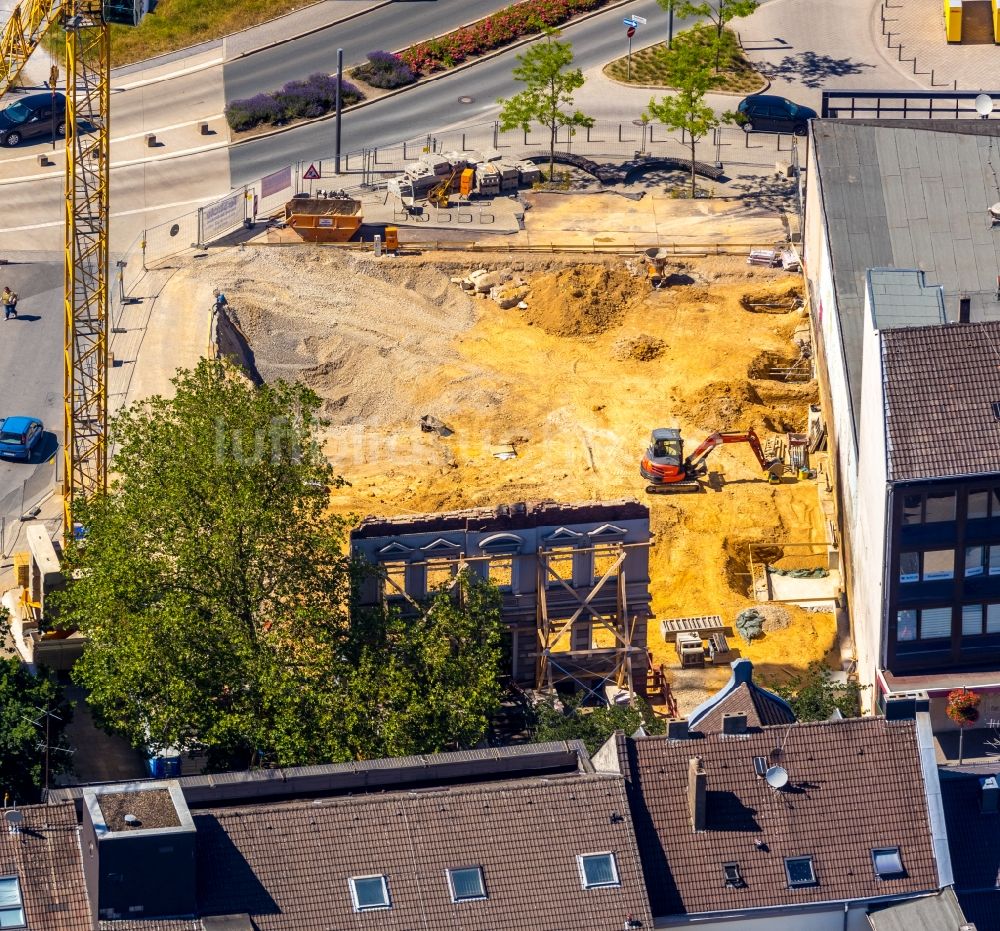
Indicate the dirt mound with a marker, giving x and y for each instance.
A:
(721, 405)
(775, 618)
(774, 300)
(581, 301)
(640, 348)
(780, 366)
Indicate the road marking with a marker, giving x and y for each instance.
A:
(208, 198)
(194, 69)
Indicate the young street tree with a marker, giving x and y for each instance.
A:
(718, 14)
(547, 98)
(686, 110)
(214, 589)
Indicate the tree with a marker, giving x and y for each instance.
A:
(547, 97)
(25, 698)
(722, 12)
(591, 725)
(686, 110)
(216, 595)
(814, 696)
(430, 682)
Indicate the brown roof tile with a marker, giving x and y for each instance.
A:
(288, 865)
(854, 785)
(940, 383)
(45, 857)
(741, 695)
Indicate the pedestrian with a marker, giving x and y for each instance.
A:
(9, 299)
(220, 300)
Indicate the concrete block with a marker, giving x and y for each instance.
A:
(150, 140)
(43, 160)
(203, 129)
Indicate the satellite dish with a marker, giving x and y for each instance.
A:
(15, 819)
(984, 105)
(777, 777)
(776, 754)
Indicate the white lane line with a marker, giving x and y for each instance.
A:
(208, 198)
(194, 69)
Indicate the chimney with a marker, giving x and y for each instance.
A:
(964, 310)
(733, 723)
(677, 729)
(903, 706)
(696, 793)
(989, 795)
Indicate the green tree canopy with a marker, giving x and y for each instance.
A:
(718, 13)
(591, 725)
(25, 697)
(814, 696)
(216, 594)
(549, 81)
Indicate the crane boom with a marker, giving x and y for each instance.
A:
(22, 32)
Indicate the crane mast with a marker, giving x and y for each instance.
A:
(85, 276)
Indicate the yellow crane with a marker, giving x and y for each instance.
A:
(85, 277)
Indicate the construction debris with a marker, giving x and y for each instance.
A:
(430, 424)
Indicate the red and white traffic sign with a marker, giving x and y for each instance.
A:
(630, 31)
(311, 174)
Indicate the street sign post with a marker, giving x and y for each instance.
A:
(631, 22)
(630, 25)
(641, 20)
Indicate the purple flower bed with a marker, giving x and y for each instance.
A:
(306, 99)
(385, 70)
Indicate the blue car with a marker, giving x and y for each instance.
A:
(19, 436)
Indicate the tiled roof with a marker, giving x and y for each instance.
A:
(741, 696)
(288, 865)
(940, 384)
(854, 785)
(45, 857)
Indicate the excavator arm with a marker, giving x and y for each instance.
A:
(697, 459)
(29, 21)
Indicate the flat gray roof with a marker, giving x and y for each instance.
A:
(909, 196)
(901, 297)
(939, 912)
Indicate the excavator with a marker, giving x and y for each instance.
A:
(667, 471)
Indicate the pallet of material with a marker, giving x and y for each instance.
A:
(706, 624)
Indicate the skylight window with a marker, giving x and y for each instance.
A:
(888, 864)
(734, 878)
(466, 884)
(800, 871)
(598, 869)
(11, 903)
(370, 892)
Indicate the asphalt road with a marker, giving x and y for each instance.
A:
(31, 359)
(435, 106)
(389, 29)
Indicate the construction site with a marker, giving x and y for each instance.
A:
(454, 381)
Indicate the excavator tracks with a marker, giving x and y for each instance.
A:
(675, 488)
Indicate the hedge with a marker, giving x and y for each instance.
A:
(306, 99)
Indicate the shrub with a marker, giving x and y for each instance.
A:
(963, 707)
(385, 70)
(306, 99)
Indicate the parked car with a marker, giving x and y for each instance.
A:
(19, 436)
(31, 117)
(770, 114)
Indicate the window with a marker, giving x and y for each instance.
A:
(978, 505)
(972, 620)
(939, 506)
(939, 564)
(909, 567)
(466, 884)
(800, 871)
(935, 622)
(369, 892)
(395, 579)
(887, 863)
(973, 561)
(440, 572)
(731, 872)
(913, 506)
(994, 560)
(993, 619)
(906, 625)
(501, 572)
(11, 903)
(559, 560)
(604, 559)
(598, 869)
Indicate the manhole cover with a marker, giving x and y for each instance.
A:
(466, 99)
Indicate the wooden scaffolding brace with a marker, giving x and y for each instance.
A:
(617, 667)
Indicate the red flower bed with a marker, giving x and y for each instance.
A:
(494, 31)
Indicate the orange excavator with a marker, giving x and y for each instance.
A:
(667, 471)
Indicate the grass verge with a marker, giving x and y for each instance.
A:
(650, 66)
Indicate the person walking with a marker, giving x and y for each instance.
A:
(220, 300)
(9, 299)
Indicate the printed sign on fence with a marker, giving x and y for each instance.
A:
(222, 217)
(276, 182)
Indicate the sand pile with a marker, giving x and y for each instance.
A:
(641, 348)
(583, 300)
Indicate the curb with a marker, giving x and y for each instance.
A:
(437, 76)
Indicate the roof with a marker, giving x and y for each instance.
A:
(911, 195)
(855, 785)
(741, 695)
(506, 517)
(939, 912)
(974, 843)
(287, 865)
(18, 424)
(45, 857)
(901, 297)
(940, 384)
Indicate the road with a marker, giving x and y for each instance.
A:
(435, 105)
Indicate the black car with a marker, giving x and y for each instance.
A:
(32, 116)
(770, 114)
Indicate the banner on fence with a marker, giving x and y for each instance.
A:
(276, 182)
(222, 217)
